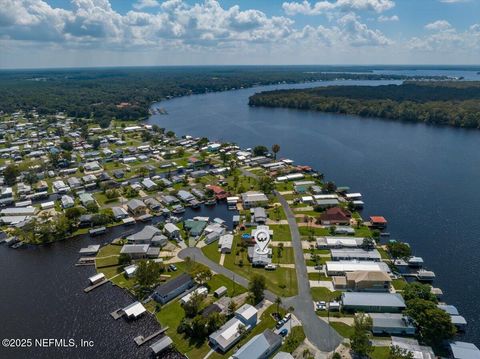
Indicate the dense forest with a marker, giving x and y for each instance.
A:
(126, 93)
(454, 103)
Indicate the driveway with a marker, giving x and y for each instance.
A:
(319, 333)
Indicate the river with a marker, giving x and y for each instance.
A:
(423, 179)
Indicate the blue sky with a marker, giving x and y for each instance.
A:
(57, 33)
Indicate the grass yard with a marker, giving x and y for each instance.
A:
(305, 231)
(324, 294)
(170, 316)
(276, 214)
(343, 329)
(399, 284)
(233, 289)
(211, 252)
(281, 232)
(380, 353)
(318, 276)
(293, 340)
(363, 232)
(282, 281)
(286, 257)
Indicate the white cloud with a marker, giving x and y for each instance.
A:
(383, 18)
(438, 25)
(453, 1)
(143, 4)
(322, 7)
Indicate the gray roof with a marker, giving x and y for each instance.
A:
(390, 320)
(134, 249)
(394, 300)
(134, 203)
(161, 345)
(463, 350)
(173, 284)
(259, 345)
(147, 233)
(355, 253)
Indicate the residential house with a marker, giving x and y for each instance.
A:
(67, 201)
(86, 199)
(225, 243)
(135, 251)
(343, 267)
(173, 288)
(335, 216)
(254, 199)
(355, 253)
(363, 281)
(259, 215)
(119, 213)
(392, 324)
(339, 242)
(148, 184)
(373, 302)
(148, 235)
(194, 228)
(136, 207)
(172, 231)
(219, 192)
(261, 346)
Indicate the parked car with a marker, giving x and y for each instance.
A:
(280, 323)
(270, 267)
(172, 267)
(283, 332)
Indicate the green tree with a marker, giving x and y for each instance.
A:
(278, 303)
(257, 287)
(418, 290)
(360, 340)
(266, 184)
(399, 353)
(260, 150)
(399, 250)
(192, 307)
(275, 150)
(147, 273)
(10, 174)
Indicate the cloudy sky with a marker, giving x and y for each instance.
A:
(57, 33)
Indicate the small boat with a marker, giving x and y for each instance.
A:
(17, 245)
(178, 209)
(211, 202)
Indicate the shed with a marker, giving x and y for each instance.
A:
(220, 292)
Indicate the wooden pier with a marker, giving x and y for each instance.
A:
(140, 340)
(92, 287)
(86, 261)
(116, 314)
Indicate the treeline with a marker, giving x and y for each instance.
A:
(440, 102)
(126, 93)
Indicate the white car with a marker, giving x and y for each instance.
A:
(270, 267)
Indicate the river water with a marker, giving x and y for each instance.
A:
(423, 179)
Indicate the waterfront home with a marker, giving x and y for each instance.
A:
(185, 196)
(463, 350)
(213, 232)
(290, 177)
(259, 215)
(153, 204)
(172, 231)
(194, 227)
(355, 253)
(340, 268)
(173, 288)
(161, 345)
(344, 230)
(363, 281)
(219, 192)
(392, 324)
(85, 220)
(254, 199)
(326, 203)
(169, 200)
(261, 346)
(373, 302)
(412, 345)
(228, 334)
(338, 242)
(225, 243)
(335, 216)
(148, 235)
(119, 213)
(135, 251)
(378, 222)
(136, 207)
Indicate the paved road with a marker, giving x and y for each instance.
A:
(319, 333)
(197, 256)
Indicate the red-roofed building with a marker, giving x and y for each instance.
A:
(334, 216)
(220, 193)
(378, 221)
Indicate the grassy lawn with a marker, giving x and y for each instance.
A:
(281, 232)
(110, 251)
(318, 276)
(399, 284)
(293, 340)
(102, 199)
(170, 316)
(287, 255)
(363, 232)
(276, 214)
(211, 252)
(320, 261)
(282, 281)
(305, 231)
(219, 280)
(343, 329)
(321, 293)
(317, 251)
(383, 253)
(380, 353)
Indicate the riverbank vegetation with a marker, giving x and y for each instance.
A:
(450, 103)
(127, 93)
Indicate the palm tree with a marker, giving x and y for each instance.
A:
(278, 302)
(275, 150)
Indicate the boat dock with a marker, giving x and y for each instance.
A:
(96, 285)
(86, 261)
(117, 314)
(140, 340)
